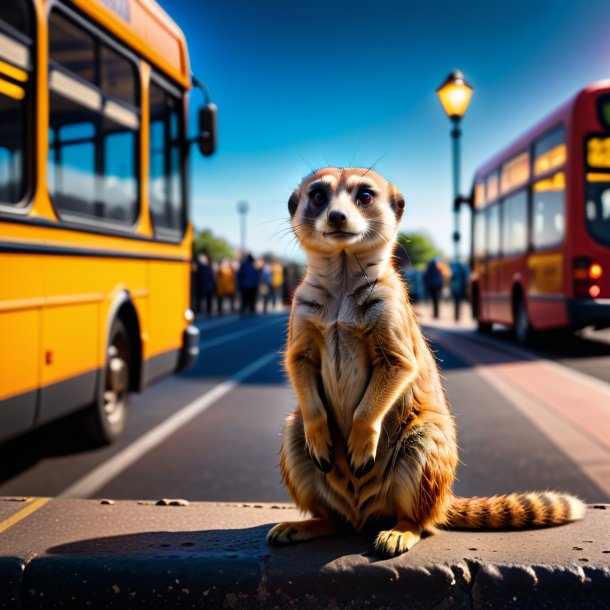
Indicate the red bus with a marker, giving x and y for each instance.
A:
(541, 223)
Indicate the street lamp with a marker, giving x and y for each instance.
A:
(454, 95)
(242, 209)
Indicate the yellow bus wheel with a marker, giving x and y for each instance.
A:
(108, 416)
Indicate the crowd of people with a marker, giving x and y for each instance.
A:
(437, 274)
(230, 286)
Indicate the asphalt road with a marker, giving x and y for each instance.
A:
(213, 432)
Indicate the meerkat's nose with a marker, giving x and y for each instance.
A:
(337, 217)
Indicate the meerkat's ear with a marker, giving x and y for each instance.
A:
(293, 202)
(397, 201)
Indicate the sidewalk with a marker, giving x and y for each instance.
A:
(127, 554)
(446, 315)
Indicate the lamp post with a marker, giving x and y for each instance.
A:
(454, 95)
(242, 209)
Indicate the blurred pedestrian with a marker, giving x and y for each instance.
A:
(433, 280)
(266, 288)
(458, 285)
(247, 280)
(206, 282)
(226, 286)
(277, 282)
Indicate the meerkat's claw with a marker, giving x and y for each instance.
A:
(363, 468)
(317, 439)
(322, 464)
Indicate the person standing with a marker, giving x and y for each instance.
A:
(226, 286)
(433, 280)
(266, 288)
(205, 282)
(277, 282)
(458, 285)
(247, 280)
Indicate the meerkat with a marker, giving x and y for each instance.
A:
(373, 435)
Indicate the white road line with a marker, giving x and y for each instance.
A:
(205, 344)
(105, 472)
(207, 324)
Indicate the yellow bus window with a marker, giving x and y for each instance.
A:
(15, 82)
(550, 151)
(166, 197)
(94, 126)
(515, 172)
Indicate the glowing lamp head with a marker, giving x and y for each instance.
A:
(454, 95)
(594, 291)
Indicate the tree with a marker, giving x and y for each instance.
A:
(417, 249)
(215, 247)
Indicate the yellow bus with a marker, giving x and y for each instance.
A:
(95, 239)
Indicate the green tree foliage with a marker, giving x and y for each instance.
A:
(216, 247)
(418, 249)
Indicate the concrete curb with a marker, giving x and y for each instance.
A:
(82, 554)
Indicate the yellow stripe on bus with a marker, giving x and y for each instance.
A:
(16, 73)
(10, 90)
(33, 506)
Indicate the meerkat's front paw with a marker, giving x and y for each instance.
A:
(403, 537)
(362, 448)
(319, 443)
(290, 532)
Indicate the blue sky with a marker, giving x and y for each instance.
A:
(302, 85)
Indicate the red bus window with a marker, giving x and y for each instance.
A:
(514, 224)
(479, 194)
(515, 173)
(550, 151)
(597, 206)
(492, 187)
(493, 230)
(548, 213)
(479, 235)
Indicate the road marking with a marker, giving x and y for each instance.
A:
(589, 456)
(575, 441)
(522, 354)
(33, 505)
(105, 472)
(205, 344)
(207, 324)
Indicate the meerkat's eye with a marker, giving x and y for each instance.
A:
(365, 198)
(318, 197)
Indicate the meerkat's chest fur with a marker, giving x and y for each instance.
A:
(343, 321)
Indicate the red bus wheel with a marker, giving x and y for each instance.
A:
(524, 333)
(482, 327)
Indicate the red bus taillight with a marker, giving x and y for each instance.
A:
(585, 273)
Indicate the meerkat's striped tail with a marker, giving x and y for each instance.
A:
(516, 510)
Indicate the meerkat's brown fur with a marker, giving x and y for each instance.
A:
(373, 435)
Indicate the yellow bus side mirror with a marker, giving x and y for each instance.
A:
(207, 129)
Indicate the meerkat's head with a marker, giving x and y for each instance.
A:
(353, 209)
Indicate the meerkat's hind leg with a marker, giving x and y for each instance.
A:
(290, 532)
(400, 539)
